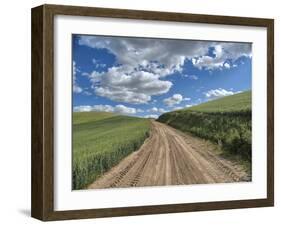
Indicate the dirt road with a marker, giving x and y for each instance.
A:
(170, 157)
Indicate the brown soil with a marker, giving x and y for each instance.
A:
(170, 157)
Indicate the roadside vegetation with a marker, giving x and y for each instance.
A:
(100, 141)
(226, 121)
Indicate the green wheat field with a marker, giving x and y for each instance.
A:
(100, 141)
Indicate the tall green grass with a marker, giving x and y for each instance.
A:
(100, 141)
(226, 121)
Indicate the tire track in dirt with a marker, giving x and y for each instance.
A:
(170, 157)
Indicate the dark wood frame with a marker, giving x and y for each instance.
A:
(42, 203)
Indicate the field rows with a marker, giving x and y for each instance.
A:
(100, 141)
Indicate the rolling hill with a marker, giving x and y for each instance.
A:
(226, 121)
(235, 103)
(100, 141)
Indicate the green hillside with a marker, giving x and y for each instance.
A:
(100, 141)
(235, 103)
(84, 117)
(226, 121)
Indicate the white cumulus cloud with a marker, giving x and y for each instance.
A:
(223, 52)
(82, 108)
(102, 107)
(119, 109)
(157, 110)
(162, 56)
(151, 116)
(175, 99)
(227, 65)
(216, 93)
(121, 84)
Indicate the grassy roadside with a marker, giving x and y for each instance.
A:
(226, 122)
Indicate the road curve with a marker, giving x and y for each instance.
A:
(170, 157)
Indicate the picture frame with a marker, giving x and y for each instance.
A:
(43, 107)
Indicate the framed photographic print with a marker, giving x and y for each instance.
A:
(141, 112)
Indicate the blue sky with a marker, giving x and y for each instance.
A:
(146, 77)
